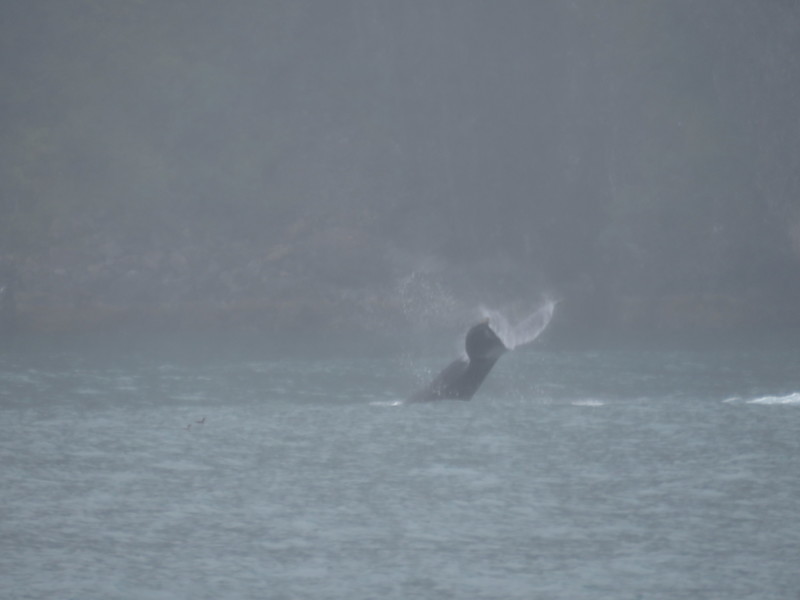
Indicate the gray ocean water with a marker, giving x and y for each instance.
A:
(616, 474)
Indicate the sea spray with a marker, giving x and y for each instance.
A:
(526, 330)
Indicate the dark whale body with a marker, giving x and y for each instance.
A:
(462, 378)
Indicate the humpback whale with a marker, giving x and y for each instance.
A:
(462, 378)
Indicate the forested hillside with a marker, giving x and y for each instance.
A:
(301, 164)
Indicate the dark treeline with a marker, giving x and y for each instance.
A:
(286, 162)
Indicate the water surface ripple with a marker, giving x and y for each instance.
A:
(570, 475)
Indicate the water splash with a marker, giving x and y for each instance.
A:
(387, 403)
(526, 330)
(426, 301)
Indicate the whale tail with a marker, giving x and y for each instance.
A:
(462, 377)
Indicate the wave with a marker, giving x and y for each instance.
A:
(387, 403)
(588, 402)
(793, 398)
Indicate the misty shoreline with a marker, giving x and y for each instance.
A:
(337, 281)
(386, 172)
(307, 313)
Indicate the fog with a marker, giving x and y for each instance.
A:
(247, 248)
(369, 167)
